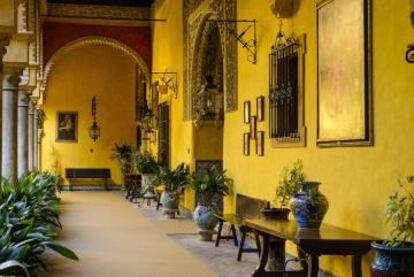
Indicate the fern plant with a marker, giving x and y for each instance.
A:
(400, 214)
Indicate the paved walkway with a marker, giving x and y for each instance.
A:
(112, 239)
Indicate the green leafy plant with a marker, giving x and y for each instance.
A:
(145, 163)
(173, 179)
(29, 219)
(210, 184)
(124, 154)
(289, 183)
(400, 214)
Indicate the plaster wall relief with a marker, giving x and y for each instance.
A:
(97, 11)
(198, 27)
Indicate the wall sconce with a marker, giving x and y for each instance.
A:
(167, 82)
(94, 130)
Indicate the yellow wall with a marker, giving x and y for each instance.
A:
(356, 180)
(81, 74)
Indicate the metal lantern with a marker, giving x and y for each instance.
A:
(94, 130)
(210, 101)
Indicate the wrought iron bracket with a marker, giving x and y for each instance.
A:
(169, 79)
(249, 44)
(409, 55)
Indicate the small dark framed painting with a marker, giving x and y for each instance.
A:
(246, 112)
(260, 143)
(260, 102)
(253, 127)
(67, 127)
(246, 144)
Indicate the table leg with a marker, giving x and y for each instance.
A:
(277, 254)
(313, 265)
(264, 255)
(302, 257)
(219, 233)
(356, 266)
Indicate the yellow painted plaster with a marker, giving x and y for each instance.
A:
(81, 74)
(356, 180)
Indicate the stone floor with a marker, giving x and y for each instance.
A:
(222, 259)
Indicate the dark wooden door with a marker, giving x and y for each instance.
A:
(164, 134)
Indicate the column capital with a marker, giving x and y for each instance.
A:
(23, 98)
(11, 77)
(4, 42)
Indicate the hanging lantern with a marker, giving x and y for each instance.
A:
(210, 101)
(94, 130)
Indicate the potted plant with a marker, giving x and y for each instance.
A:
(289, 184)
(208, 186)
(146, 164)
(173, 180)
(395, 256)
(123, 153)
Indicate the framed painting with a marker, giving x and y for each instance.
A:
(246, 112)
(260, 108)
(253, 127)
(344, 73)
(246, 144)
(67, 127)
(260, 143)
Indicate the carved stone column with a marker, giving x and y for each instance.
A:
(31, 136)
(22, 132)
(11, 80)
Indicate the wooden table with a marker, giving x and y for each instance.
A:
(328, 240)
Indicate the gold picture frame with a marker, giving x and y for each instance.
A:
(246, 112)
(260, 103)
(344, 81)
(260, 143)
(67, 127)
(246, 144)
(253, 127)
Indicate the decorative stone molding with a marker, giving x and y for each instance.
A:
(97, 11)
(97, 41)
(196, 14)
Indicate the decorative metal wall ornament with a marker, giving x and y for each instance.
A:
(250, 44)
(196, 28)
(94, 130)
(167, 82)
(409, 55)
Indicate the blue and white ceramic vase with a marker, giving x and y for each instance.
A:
(392, 261)
(309, 206)
(204, 217)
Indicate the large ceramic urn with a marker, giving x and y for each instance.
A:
(309, 206)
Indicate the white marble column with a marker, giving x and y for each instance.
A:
(11, 80)
(30, 136)
(4, 41)
(22, 132)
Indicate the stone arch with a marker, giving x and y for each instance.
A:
(97, 41)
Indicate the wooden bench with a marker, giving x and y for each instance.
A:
(88, 173)
(246, 207)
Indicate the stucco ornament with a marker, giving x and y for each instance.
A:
(197, 16)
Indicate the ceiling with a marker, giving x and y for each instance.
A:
(122, 3)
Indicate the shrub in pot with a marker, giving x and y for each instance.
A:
(124, 155)
(208, 185)
(146, 164)
(173, 180)
(395, 256)
(289, 183)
